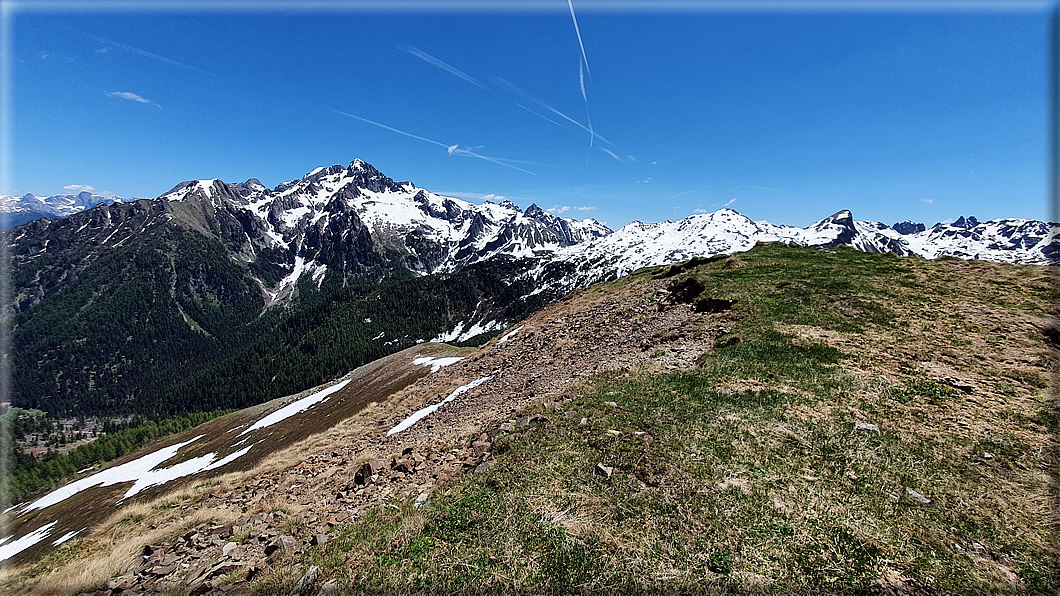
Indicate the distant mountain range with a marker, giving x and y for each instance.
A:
(352, 222)
(115, 300)
(28, 207)
(1018, 241)
(436, 234)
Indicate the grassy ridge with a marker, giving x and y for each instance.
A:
(747, 472)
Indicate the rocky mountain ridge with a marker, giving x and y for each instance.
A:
(338, 224)
(725, 231)
(339, 221)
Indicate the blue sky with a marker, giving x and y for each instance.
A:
(784, 115)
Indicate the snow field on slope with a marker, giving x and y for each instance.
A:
(66, 537)
(435, 362)
(292, 277)
(144, 472)
(459, 334)
(424, 412)
(509, 335)
(295, 407)
(10, 549)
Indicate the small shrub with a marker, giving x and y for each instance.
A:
(922, 388)
(720, 561)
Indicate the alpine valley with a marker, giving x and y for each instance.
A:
(218, 295)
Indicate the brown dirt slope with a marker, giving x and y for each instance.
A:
(366, 385)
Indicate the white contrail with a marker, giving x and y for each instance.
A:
(455, 150)
(688, 191)
(757, 188)
(541, 116)
(391, 129)
(452, 149)
(581, 76)
(517, 91)
(147, 54)
(611, 153)
(588, 116)
(449, 68)
(581, 82)
(579, 34)
(442, 65)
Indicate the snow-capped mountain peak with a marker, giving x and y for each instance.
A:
(208, 188)
(725, 231)
(350, 220)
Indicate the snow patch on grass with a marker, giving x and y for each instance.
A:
(460, 334)
(131, 471)
(10, 549)
(435, 363)
(509, 335)
(66, 537)
(294, 408)
(424, 412)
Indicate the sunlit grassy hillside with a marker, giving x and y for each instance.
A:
(861, 421)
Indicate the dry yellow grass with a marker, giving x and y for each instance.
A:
(113, 548)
